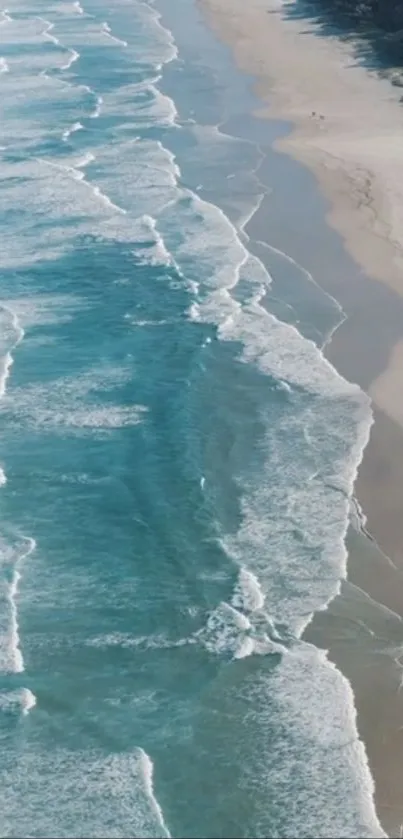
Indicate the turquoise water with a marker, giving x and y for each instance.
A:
(177, 459)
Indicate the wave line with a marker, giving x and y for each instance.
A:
(47, 32)
(108, 32)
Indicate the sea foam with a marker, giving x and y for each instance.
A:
(11, 659)
(172, 225)
(107, 794)
(17, 701)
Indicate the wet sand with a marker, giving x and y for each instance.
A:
(347, 127)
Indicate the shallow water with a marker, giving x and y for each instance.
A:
(178, 459)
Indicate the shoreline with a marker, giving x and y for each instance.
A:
(346, 125)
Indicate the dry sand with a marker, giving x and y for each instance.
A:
(348, 128)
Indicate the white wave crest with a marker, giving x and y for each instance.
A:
(151, 247)
(70, 403)
(142, 104)
(73, 57)
(77, 126)
(47, 32)
(77, 175)
(97, 110)
(248, 594)
(147, 642)
(107, 30)
(83, 792)
(147, 770)
(11, 559)
(166, 35)
(11, 556)
(21, 701)
(6, 18)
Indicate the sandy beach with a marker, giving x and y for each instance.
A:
(348, 128)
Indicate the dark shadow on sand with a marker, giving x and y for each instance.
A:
(374, 27)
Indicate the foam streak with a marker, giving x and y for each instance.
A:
(13, 660)
(73, 56)
(97, 110)
(107, 31)
(148, 771)
(6, 17)
(47, 33)
(77, 126)
(16, 661)
(77, 175)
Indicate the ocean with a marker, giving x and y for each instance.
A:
(177, 455)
